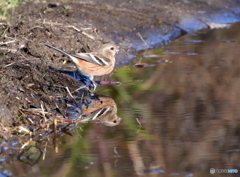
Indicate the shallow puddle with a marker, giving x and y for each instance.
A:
(179, 110)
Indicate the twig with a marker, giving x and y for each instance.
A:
(71, 26)
(140, 125)
(138, 129)
(55, 125)
(43, 113)
(79, 30)
(60, 110)
(8, 42)
(80, 136)
(80, 88)
(71, 95)
(138, 121)
(142, 39)
(74, 27)
(88, 35)
(30, 120)
(82, 98)
(9, 50)
(115, 150)
(27, 143)
(56, 149)
(44, 151)
(23, 129)
(81, 128)
(69, 92)
(9, 64)
(35, 27)
(3, 35)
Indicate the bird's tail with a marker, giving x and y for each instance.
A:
(74, 59)
(61, 51)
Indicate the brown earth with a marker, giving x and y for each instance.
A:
(30, 74)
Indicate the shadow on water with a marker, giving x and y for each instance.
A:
(179, 116)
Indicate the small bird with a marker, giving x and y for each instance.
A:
(97, 63)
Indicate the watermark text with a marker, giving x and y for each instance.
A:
(213, 170)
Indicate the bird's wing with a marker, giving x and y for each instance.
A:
(98, 113)
(92, 58)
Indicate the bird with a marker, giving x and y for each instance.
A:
(97, 63)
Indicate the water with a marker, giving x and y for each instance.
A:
(179, 109)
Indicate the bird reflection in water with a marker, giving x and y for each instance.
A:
(95, 107)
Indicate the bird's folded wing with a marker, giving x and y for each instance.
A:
(91, 58)
(98, 113)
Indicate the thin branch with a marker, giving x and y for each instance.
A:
(142, 39)
(8, 42)
(43, 113)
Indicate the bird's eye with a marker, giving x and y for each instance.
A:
(112, 48)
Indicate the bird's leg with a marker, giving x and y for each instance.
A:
(93, 85)
(89, 84)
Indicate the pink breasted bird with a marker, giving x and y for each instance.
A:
(97, 63)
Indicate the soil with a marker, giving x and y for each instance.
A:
(30, 73)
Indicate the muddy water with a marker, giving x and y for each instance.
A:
(180, 116)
